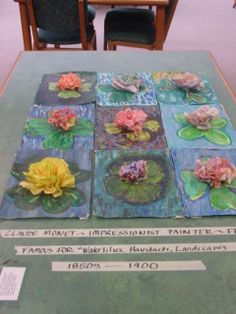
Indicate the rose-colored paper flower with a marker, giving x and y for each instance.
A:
(131, 120)
(127, 82)
(202, 117)
(64, 118)
(69, 81)
(137, 170)
(48, 176)
(215, 171)
(187, 80)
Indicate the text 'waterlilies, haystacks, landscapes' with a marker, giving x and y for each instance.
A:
(124, 145)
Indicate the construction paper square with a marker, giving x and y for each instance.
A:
(109, 96)
(197, 198)
(18, 202)
(224, 135)
(169, 94)
(49, 95)
(154, 196)
(153, 131)
(39, 133)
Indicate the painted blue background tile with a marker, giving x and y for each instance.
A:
(171, 127)
(166, 204)
(109, 96)
(185, 159)
(8, 210)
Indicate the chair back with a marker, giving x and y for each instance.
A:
(170, 11)
(59, 17)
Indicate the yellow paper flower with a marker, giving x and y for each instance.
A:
(48, 176)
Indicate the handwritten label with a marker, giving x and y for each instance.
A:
(126, 249)
(116, 232)
(10, 283)
(128, 266)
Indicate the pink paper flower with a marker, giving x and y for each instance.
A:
(202, 117)
(69, 81)
(215, 171)
(64, 118)
(187, 80)
(135, 171)
(131, 120)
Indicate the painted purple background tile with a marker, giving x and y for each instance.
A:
(109, 96)
(104, 140)
(49, 97)
(155, 196)
(185, 159)
(9, 210)
(79, 142)
(171, 127)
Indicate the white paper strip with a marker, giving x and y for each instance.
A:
(126, 249)
(116, 232)
(10, 283)
(128, 266)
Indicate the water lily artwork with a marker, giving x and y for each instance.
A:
(118, 89)
(129, 127)
(206, 126)
(207, 181)
(177, 88)
(137, 183)
(68, 88)
(48, 184)
(59, 127)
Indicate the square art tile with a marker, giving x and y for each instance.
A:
(108, 136)
(181, 134)
(200, 198)
(169, 94)
(109, 96)
(50, 95)
(40, 133)
(155, 195)
(73, 201)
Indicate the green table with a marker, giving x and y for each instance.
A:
(114, 292)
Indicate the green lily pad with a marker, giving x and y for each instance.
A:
(196, 98)
(219, 123)
(152, 125)
(115, 95)
(111, 128)
(24, 199)
(217, 137)
(180, 118)
(190, 133)
(80, 174)
(55, 205)
(222, 199)
(85, 87)
(38, 127)
(77, 196)
(69, 94)
(59, 139)
(141, 137)
(231, 185)
(192, 186)
(83, 128)
(18, 170)
(52, 86)
(155, 172)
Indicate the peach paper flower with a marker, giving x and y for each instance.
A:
(202, 117)
(187, 80)
(69, 81)
(135, 171)
(131, 120)
(48, 176)
(64, 118)
(215, 171)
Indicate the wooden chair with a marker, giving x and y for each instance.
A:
(133, 27)
(59, 23)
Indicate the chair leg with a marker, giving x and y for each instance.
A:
(111, 45)
(94, 42)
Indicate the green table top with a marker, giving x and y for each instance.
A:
(44, 291)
